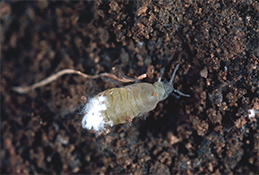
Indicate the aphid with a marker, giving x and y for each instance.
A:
(120, 105)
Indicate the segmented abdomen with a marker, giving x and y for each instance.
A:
(129, 101)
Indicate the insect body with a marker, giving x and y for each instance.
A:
(120, 105)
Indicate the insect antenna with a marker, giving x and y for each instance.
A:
(172, 78)
(160, 74)
(171, 82)
(181, 94)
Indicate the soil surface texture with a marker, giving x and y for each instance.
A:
(215, 43)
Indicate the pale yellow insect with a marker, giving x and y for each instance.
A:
(120, 105)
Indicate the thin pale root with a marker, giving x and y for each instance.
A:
(23, 90)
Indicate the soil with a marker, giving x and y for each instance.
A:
(216, 44)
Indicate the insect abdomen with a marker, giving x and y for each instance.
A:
(129, 101)
(146, 96)
(120, 103)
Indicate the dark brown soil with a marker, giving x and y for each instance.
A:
(216, 44)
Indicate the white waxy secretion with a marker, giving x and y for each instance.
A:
(93, 119)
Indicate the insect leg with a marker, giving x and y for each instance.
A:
(128, 120)
(160, 74)
(145, 117)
